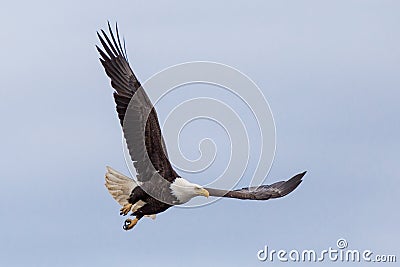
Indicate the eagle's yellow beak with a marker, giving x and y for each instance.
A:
(204, 192)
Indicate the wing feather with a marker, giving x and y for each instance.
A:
(264, 192)
(136, 113)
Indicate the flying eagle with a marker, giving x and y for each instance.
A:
(157, 186)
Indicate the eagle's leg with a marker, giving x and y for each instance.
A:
(139, 213)
(125, 209)
(130, 223)
(136, 195)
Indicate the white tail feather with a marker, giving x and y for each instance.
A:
(120, 187)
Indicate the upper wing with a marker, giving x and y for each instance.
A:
(264, 192)
(137, 115)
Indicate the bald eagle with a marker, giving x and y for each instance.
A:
(157, 186)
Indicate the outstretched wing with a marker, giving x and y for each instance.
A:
(140, 125)
(264, 192)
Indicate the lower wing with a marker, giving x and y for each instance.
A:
(263, 192)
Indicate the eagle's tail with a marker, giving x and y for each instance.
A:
(120, 187)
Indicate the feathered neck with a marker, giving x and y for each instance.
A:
(183, 190)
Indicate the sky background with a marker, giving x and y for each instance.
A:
(329, 70)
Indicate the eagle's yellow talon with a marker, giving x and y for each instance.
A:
(125, 209)
(129, 224)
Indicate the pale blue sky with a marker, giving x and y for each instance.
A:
(330, 71)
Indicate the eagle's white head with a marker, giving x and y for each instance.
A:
(184, 190)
